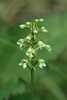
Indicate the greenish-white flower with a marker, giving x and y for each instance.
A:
(41, 20)
(41, 63)
(23, 63)
(48, 47)
(35, 31)
(43, 29)
(36, 20)
(21, 42)
(28, 23)
(22, 26)
(28, 38)
(30, 52)
(41, 44)
(31, 43)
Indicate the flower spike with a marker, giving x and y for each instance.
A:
(32, 44)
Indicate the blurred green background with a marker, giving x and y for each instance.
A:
(50, 83)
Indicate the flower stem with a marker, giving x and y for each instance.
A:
(32, 84)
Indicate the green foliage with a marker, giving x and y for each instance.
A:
(49, 83)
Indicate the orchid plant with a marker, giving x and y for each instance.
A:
(32, 44)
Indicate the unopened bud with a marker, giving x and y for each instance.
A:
(22, 26)
(35, 31)
(44, 30)
(28, 23)
(28, 37)
(41, 20)
(36, 20)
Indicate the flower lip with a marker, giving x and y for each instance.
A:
(48, 47)
(41, 63)
(23, 63)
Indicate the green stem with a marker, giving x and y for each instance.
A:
(32, 84)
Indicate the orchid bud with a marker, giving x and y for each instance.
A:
(41, 20)
(35, 31)
(22, 26)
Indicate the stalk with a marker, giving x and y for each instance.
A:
(32, 84)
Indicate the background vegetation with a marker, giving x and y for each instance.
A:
(50, 83)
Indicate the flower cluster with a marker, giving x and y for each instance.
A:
(32, 44)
